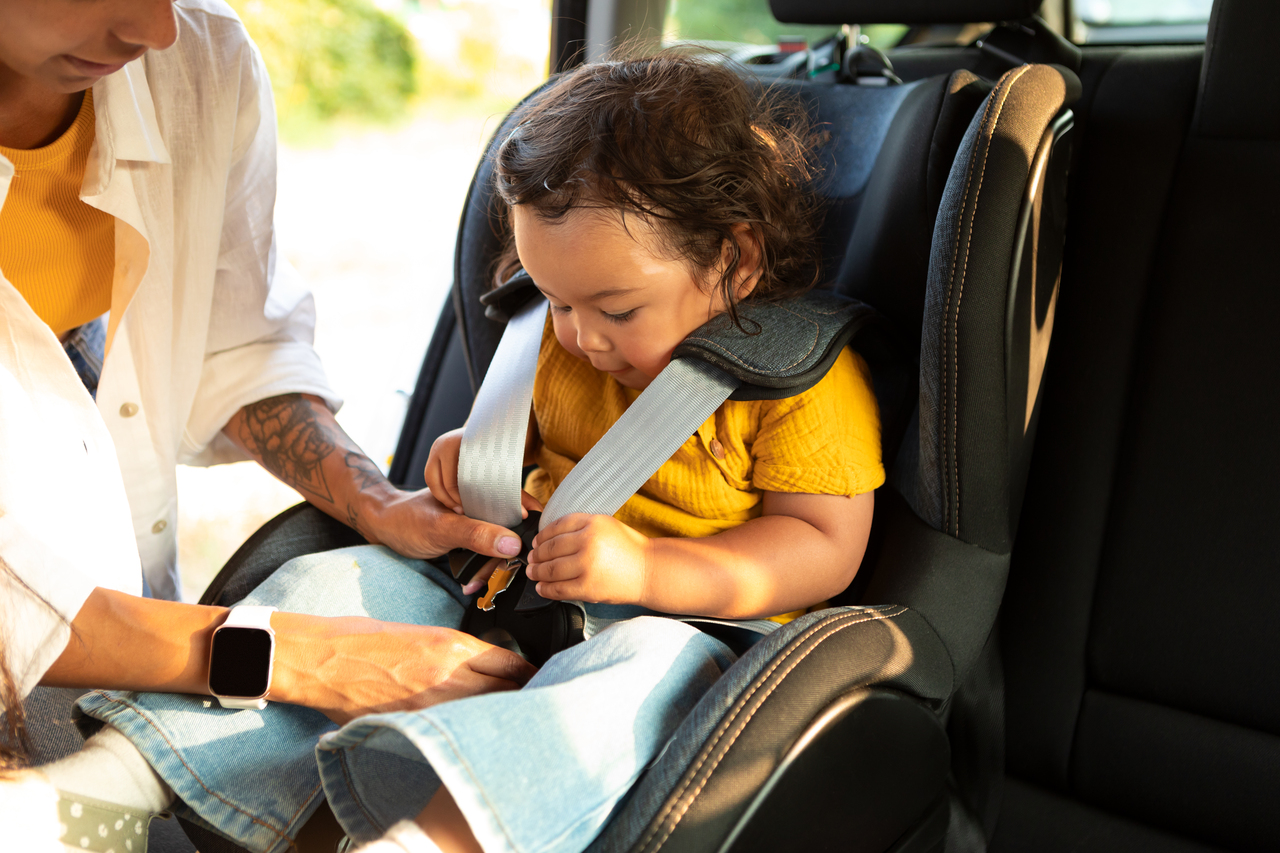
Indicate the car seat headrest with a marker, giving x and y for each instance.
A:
(900, 11)
(1239, 87)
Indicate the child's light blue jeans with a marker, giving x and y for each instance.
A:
(540, 769)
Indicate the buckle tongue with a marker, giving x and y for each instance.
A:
(465, 564)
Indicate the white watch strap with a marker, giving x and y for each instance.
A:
(249, 616)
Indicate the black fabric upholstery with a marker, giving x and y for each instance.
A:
(1240, 85)
(1138, 627)
(886, 258)
(900, 11)
(1034, 819)
(698, 789)
(1134, 117)
(1199, 777)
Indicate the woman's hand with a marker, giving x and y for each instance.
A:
(296, 438)
(350, 666)
(592, 558)
(528, 504)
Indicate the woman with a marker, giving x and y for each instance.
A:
(137, 180)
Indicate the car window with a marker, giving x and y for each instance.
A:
(730, 23)
(1137, 21)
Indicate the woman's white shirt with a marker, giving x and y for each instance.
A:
(205, 318)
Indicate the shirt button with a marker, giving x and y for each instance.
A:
(717, 449)
(128, 410)
(159, 526)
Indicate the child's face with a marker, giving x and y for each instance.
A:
(617, 300)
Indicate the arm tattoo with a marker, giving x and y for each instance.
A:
(291, 442)
(365, 473)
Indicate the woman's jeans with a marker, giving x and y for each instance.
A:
(539, 769)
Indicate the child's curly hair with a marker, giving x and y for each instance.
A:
(684, 142)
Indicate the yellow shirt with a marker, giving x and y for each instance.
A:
(823, 441)
(56, 250)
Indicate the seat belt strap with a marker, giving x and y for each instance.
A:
(491, 457)
(650, 431)
(661, 419)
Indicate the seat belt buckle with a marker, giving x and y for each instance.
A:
(465, 564)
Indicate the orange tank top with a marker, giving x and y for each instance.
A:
(56, 250)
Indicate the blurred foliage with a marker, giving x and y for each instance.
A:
(332, 59)
(751, 21)
(478, 71)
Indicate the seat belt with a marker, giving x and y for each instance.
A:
(790, 346)
(650, 431)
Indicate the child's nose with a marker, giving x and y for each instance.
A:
(590, 340)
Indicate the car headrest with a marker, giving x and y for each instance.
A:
(1239, 87)
(900, 11)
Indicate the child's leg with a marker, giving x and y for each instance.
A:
(251, 775)
(538, 769)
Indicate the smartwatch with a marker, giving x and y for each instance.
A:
(241, 656)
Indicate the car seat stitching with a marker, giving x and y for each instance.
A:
(737, 707)
(711, 748)
(955, 319)
(199, 781)
(848, 620)
(951, 281)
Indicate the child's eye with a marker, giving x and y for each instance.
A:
(560, 309)
(620, 318)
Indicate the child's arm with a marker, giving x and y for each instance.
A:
(803, 549)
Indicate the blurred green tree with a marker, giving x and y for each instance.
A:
(332, 58)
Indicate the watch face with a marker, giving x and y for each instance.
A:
(240, 662)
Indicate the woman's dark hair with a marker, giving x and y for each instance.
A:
(684, 142)
(14, 744)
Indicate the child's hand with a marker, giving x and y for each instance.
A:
(441, 475)
(592, 558)
(441, 472)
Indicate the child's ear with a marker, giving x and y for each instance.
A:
(749, 259)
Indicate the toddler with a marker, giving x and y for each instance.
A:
(645, 198)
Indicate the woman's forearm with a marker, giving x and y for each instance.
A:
(297, 438)
(124, 642)
(341, 666)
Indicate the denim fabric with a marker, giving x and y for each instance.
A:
(86, 347)
(251, 775)
(540, 769)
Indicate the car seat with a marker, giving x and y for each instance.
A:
(837, 717)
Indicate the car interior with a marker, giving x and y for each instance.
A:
(1058, 638)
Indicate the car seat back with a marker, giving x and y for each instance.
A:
(1138, 632)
